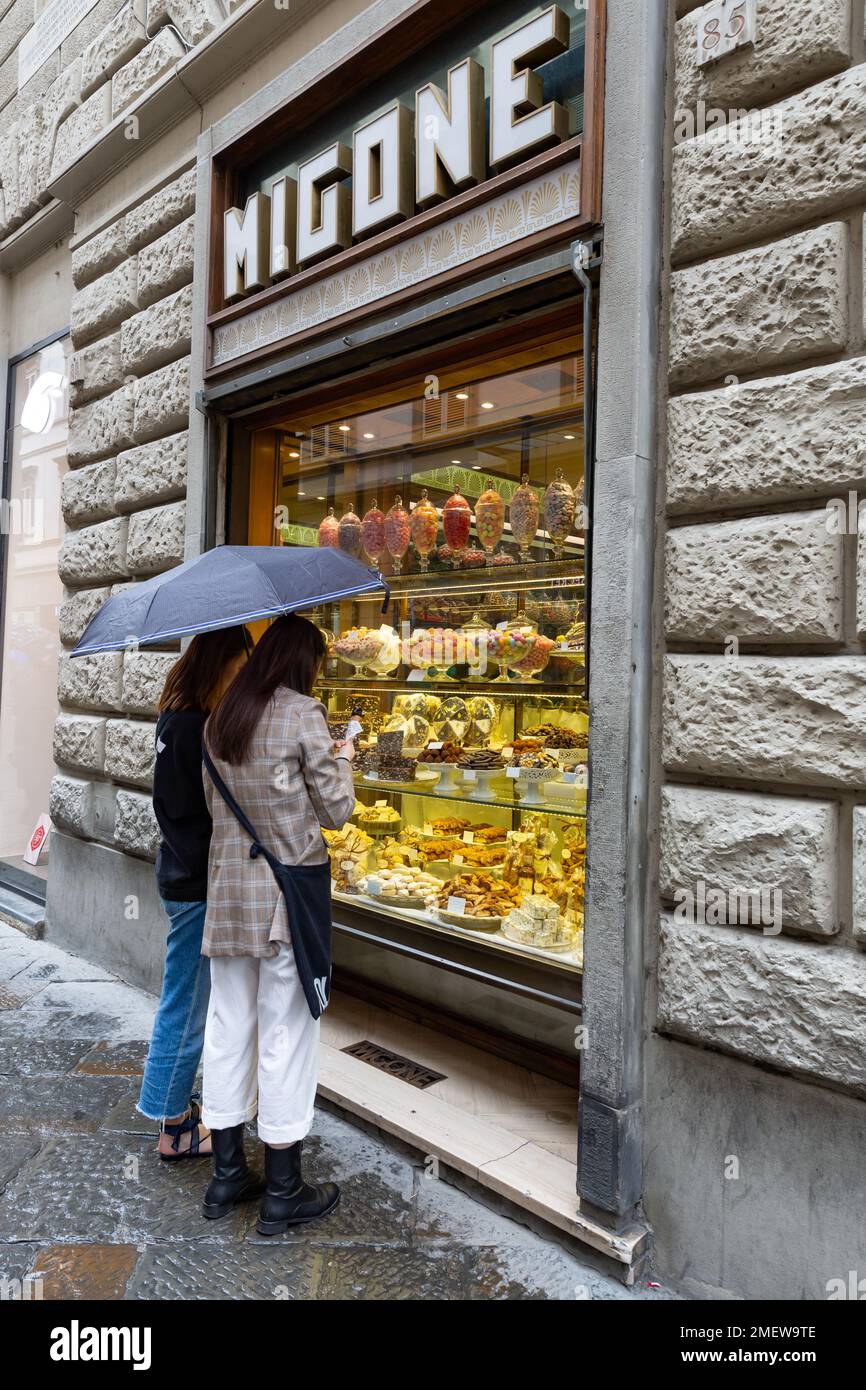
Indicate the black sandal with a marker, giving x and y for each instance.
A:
(188, 1126)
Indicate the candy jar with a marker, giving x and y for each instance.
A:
(329, 530)
(524, 517)
(559, 503)
(349, 532)
(424, 526)
(397, 533)
(489, 520)
(456, 523)
(373, 532)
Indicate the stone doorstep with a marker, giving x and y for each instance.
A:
(514, 1168)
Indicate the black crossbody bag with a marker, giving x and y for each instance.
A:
(307, 892)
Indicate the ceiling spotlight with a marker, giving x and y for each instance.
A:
(568, 436)
(345, 428)
(321, 499)
(294, 456)
(477, 467)
(457, 461)
(369, 436)
(487, 405)
(461, 395)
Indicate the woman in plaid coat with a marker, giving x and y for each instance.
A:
(270, 744)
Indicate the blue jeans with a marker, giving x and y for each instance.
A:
(178, 1029)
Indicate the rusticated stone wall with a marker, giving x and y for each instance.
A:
(123, 503)
(119, 50)
(764, 708)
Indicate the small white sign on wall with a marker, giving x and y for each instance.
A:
(725, 26)
(54, 23)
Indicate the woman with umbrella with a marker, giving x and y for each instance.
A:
(267, 923)
(194, 687)
(274, 779)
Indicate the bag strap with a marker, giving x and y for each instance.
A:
(257, 846)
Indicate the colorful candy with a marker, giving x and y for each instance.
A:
(424, 526)
(373, 532)
(329, 530)
(397, 532)
(456, 523)
(349, 533)
(524, 517)
(489, 519)
(559, 504)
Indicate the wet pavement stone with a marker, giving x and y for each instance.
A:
(121, 1059)
(88, 1210)
(85, 1271)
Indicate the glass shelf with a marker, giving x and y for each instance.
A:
(572, 959)
(501, 796)
(545, 696)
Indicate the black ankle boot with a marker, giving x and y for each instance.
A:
(232, 1181)
(289, 1200)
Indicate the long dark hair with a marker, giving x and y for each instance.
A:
(194, 679)
(290, 653)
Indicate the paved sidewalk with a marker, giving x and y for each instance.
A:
(87, 1209)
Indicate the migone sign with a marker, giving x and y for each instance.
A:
(398, 165)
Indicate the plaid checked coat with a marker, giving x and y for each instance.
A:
(289, 786)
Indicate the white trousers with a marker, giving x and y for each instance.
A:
(261, 1047)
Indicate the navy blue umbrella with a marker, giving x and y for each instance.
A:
(223, 587)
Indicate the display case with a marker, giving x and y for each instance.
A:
(466, 491)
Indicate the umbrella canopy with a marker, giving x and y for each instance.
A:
(223, 587)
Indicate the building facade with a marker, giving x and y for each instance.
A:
(707, 277)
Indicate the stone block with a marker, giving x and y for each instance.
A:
(156, 538)
(129, 751)
(80, 129)
(773, 1001)
(144, 676)
(62, 97)
(77, 607)
(768, 578)
(770, 440)
(803, 158)
(162, 402)
(136, 830)
(144, 70)
(102, 428)
(79, 741)
(194, 18)
(761, 308)
(861, 572)
(159, 334)
(95, 370)
(87, 494)
(166, 264)
(119, 41)
(104, 303)
(789, 719)
(70, 804)
(151, 473)
(95, 553)
(860, 873)
(90, 682)
(161, 211)
(744, 842)
(786, 56)
(99, 254)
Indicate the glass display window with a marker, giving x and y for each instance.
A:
(32, 529)
(467, 491)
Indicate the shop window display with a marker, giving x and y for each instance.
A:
(467, 492)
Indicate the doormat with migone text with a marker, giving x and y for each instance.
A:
(395, 1065)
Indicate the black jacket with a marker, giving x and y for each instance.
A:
(180, 807)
